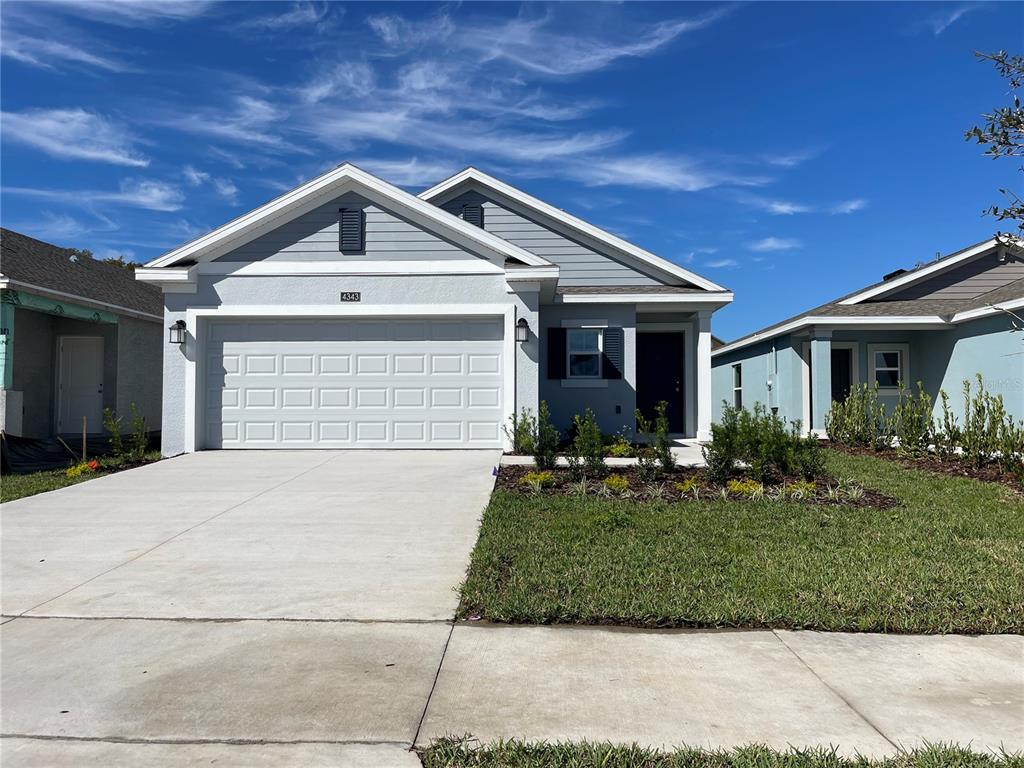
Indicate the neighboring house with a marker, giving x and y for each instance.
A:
(78, 336)
(349, 313)
(939, 323)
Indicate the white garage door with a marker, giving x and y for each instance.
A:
(410, 383)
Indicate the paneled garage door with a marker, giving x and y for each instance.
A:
(409, 383)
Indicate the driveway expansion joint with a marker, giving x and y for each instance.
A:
(433, 685)
(184, 742)
(874, 726)
(226, 619)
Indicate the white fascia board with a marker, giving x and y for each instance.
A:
(361, 268)
(991, 309)
(472, 175)
(720, 298)
(344, 178)
(165, 275)
(912, 277)
(532, 273)
(915, 322)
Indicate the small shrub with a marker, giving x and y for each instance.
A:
(947, 436)
(859, 420)
(662, 443)
(523, 429)
(620, 448)
(82, 468)
(911, 421)
(538, 481)
(647, 465)
(545, 444)
(721, 453)
(808, 459)
(588, 444)
(747, 488)
(760, 439)
(691, 486)
(617, 484)
(112, 425)
(801, 490)
(140, 435)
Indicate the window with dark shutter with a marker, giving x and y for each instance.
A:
(614, 353)
(351, 230)
(556, 353)
(474, 214)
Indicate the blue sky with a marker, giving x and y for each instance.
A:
(791, 152)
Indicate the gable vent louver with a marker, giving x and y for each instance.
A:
(474, 214)
(351, 230)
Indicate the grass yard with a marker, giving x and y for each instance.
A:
(455, 753)
(18, 486)
(949, 558)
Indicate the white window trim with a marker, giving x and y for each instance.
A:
(904, 370)
(737, 368)
(569, 353)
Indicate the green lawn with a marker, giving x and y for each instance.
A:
(454, 753)
(18, 486)
(950, 558)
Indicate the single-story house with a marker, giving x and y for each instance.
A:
(938, 323)
(350, 313)
(78, 335)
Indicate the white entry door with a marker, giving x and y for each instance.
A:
(367, 383)
(80, 384)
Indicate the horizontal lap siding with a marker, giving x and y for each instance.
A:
(314, 237)
(578, 264)
(967, 281)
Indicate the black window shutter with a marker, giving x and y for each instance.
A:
(614, 353)
(474, 214)
(351, 230)
(556, 353)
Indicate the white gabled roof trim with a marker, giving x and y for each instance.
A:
(347, 175)
(472, 175)
(723, 297)
(933, 321)
(919, 274)
(991, 309)
(532, 273)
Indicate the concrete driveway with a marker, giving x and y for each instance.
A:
(236, 597)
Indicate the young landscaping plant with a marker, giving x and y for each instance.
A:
(524, 427)
(646, 460)
(586, 453)
(545, 443)
(859, 420)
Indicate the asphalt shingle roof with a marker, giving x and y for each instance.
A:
(27, 260)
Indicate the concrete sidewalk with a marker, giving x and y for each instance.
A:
(867, 694)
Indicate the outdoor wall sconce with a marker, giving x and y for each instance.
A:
(177, 332)
(522, 330)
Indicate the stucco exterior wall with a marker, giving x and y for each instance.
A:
(139, 356)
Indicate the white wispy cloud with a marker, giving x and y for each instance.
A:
(397, 32)
(770, 244)
(773, 206)
(657, 171)
(130, 13)
(690, 256)
(249, 120)
(194, 176)
(133, 193)
(300, 14)
(350, 78)
(73, 134)
(47, 53)
(792, 158)
(226, 189)
(411, 172)
(939, 22)
(848, 206)
(721, 263)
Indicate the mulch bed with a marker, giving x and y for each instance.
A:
(990, 473)
(510, 479)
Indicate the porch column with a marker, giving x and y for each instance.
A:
(821, 380)
(703, 375)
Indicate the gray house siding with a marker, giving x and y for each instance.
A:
(578, 264)
(314, 236)
(967, 281)
(139, 353)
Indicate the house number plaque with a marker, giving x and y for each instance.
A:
(351, 296)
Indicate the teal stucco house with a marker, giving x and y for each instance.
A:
(938, 323)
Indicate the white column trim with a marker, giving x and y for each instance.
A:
(704, 375)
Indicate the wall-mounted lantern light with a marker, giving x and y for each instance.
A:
(522, 330)
(176, 332)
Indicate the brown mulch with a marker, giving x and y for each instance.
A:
(953, 467)
(510, 478)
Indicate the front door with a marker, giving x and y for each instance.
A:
(660, 372)
(80, 384)
(842, 370)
